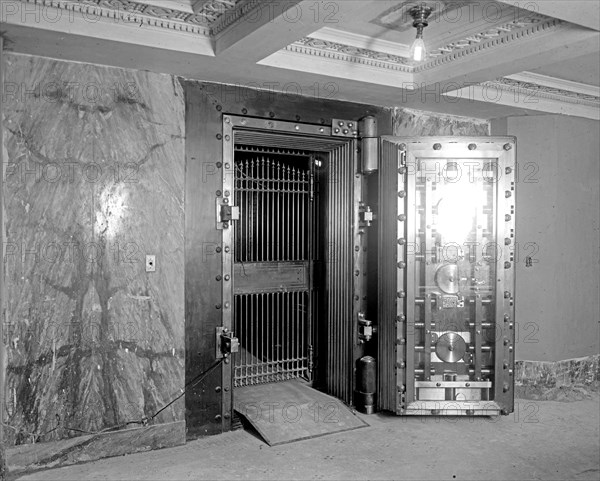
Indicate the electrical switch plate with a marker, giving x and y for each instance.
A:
(150, 263)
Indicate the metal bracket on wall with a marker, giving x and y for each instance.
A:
(226, 343)
(366, 215)
(226, 214)
(366, 329)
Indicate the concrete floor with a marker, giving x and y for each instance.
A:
(540, 440)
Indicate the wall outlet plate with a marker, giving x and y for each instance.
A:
(150, 263)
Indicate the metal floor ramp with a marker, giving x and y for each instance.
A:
(289, 411)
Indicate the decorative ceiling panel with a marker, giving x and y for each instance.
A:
(360, 46)
(488, 40)
(318, 47)
(533, 90)
(522, 22)
(503, 38)
(214, 15)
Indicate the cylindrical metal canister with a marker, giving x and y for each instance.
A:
(366, 384)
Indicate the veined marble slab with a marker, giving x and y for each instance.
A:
(94, 183)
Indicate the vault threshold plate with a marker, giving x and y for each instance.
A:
(289, 411)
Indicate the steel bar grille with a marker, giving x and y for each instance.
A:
(275, 193)
(274, 201)
(272, 329)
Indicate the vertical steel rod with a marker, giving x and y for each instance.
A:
(293, 329)
(263, 226)
(479, 215)
(263, 327)
(303, 197)
(271, 337)
(278, 217)
(245, 334)
(278, 316)
(267, 220)
(288, 220)
(254, 230)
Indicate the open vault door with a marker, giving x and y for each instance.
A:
(446, 275)
(287, 214)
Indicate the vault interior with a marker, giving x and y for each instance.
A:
(284, 266)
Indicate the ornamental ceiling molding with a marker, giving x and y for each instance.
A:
(524, 90)
(215, 15)
(492, 38)
(532, 30)
(555, 83)
(490, 33)
(347, 53)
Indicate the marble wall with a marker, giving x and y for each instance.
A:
(567, 380)
(409, 122)
(94, 183)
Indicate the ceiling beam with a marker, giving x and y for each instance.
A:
(122, 27)
(580, 12)
(499, 94)
(272, 26)
(229, 78)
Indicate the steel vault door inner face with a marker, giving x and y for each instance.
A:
(446, 308)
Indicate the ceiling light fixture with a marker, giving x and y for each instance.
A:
(420, 14)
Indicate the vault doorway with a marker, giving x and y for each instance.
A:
(292, 192)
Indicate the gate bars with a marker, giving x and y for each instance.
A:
(273, 198)
(274, 195)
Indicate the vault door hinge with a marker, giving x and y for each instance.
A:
(369, 145)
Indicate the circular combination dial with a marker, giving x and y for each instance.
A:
(450, 347)
(447, 278)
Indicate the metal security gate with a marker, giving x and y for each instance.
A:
(273, 255)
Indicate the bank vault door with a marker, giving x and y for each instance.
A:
(446, 305)
(273, 261)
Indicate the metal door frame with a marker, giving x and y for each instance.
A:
(359, 238)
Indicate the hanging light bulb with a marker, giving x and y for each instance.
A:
(418, 51)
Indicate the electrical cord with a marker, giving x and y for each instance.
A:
(144, 421)
(190, 384)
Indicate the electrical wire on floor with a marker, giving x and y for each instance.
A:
(144, 421)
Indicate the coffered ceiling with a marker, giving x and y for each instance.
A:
(487, 58)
